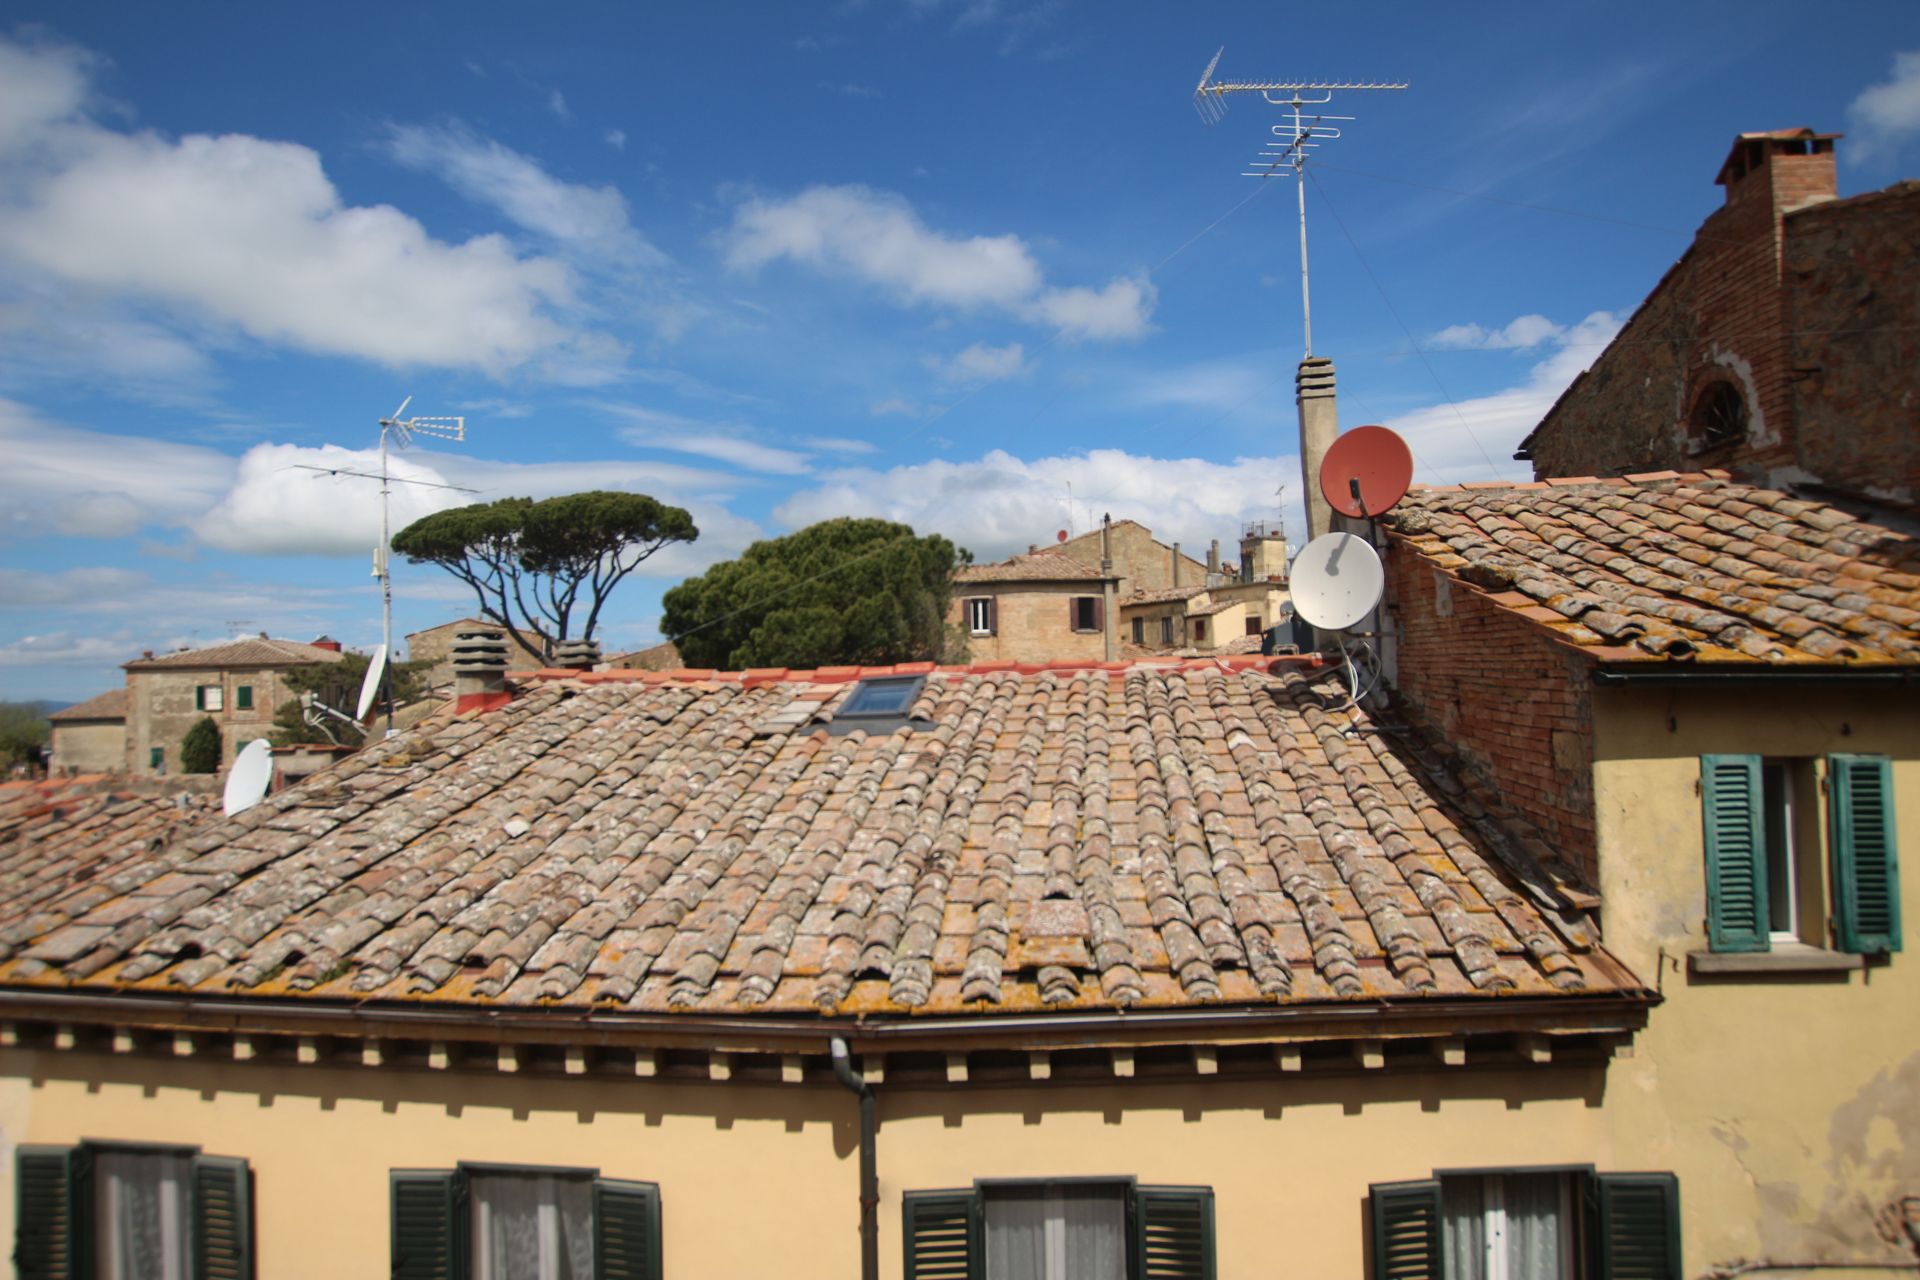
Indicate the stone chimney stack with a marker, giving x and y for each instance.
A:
(479, 670)
(1111, 614)
(1176, 564)
(1319, 425)
(1213, 558)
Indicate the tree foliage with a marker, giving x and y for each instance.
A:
(200, 748)
(23, 731)
(338, 685)
(529, 562)
(836, 593)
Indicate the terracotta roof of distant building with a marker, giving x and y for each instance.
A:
(111, 705)
(1665, 566)
(83, 841)
(1165, 594)
(1034, 566)
(1077, 837)
(254, 651)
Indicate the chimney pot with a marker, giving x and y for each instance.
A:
(1033, 548)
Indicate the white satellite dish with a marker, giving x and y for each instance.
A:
(1336, 581)
(370, 687)
(248, 779)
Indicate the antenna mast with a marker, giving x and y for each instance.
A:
(1292, 142)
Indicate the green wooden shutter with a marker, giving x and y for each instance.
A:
(1637, 1235)
(626, 1230)
(43, 1213)
(429, 1224)
(942, 1232)
(1736, 839)
(1173, 1233)
(222, 1219)
(1404, 1221)
(1866, 869)
(243, 697)
(199, 697)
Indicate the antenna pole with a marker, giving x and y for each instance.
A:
(1306, 294)
(386, 583)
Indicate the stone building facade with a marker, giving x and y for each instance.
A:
(1040, 607)
(1781, 346)
(91, 736)
(1141, 562)
(238, 684)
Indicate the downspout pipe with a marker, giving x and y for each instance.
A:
(869, 1162)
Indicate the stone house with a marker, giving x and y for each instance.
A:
(1140, 561)
(238, 683)
(1781, 346)
(1220, 612)
(1693, 701)
(1039, 607)
(91, 736)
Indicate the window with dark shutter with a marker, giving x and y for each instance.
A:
(1736, 849)
(1637, 1232)
(60, 1234)
(44, 1229)
(1866, 873)
(626, 1230)
(222, 1219)
(243, 697)
(1404, 1222)
(1173, 1233)
(942, 1234)
(428, 1224)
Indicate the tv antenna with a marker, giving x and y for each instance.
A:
(1286, 154)
(399, 431)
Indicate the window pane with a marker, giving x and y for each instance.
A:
(141, 1199)
(1777, 814)
(1513, 1226)
(531, 1226)
(881, 697)
(1057, 1232)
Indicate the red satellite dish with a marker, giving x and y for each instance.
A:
(1366, 471)
(1061, 536)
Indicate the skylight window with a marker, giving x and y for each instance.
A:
(879, 705)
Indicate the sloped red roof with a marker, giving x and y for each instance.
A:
(1035, 566)
(254, 651)
(111, 705)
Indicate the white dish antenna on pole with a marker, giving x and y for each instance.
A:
(1337, 580)
(370, 686)
(249, 778)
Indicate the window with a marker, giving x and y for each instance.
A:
(1719, 417)
(1765, 882)
(1166, 630)
(209, 697)
(137, 1212)
(504, 1222)
(1139, 630)
(157, 758)
(1086, 613)
(1253, 625)
(1071, 1229)
(1526, 1224)
(879, 705)
(243, 698)
(1199, 630)
(980, 616)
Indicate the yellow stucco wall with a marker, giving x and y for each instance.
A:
(1789, 1105)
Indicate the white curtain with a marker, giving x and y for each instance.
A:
(531, 1226)
(1056, 1233)
(141, 1203)
(1506, 1226)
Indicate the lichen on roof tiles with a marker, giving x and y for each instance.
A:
(1088, 838)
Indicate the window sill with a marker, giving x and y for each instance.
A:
(1779, 960)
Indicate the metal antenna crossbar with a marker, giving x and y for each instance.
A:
(1297, 140)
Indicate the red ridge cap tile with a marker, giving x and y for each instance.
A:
(1515, 599)
(870, 672)
(1648, 477)
(690, 673)
(766, 673)
(1485, 484)
(1716, 473)
(1568, 481)
(912, 668)
(1531, 484)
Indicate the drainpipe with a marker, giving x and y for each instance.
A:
(869, 1172)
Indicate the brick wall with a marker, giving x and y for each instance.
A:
(1033, 622)
(1515, 707)
(1721, 314)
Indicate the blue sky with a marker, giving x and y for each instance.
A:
(939, 260)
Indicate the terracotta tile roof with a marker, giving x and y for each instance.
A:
(1664, 566)
(1212, 607)
(1035, 566)
(1087, 837)
(254, 651)
(1164, 594)
(111, 705)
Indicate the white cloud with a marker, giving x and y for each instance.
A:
(61, 649)
(1886, 116)
(836, 444)
(96, 484)
(998, 504)
(583, 220)
(616, 138)
(895, 407)
(30, 589)
(724, 442)
(557, 104)
(250, 234)
(981, 363)
(40, 84)
(1523, 333)
(876, 236)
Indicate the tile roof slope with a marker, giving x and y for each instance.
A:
(111, 705)
(254, 651)
(1033, 566)
(1667, 566)
(1086, 839)
(1162, 594)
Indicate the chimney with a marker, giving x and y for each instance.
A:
(1779, 171)
(577, 655)
(328, 643)
(146, 654)
(479, 671)
(1319, 425)
(1033, 548)
(1176, 564)
(1107, 589)
(1213, 558)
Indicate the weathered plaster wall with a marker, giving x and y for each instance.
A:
(160, 710)
(1789, 1105)
(1034, 623)
(89, 746)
